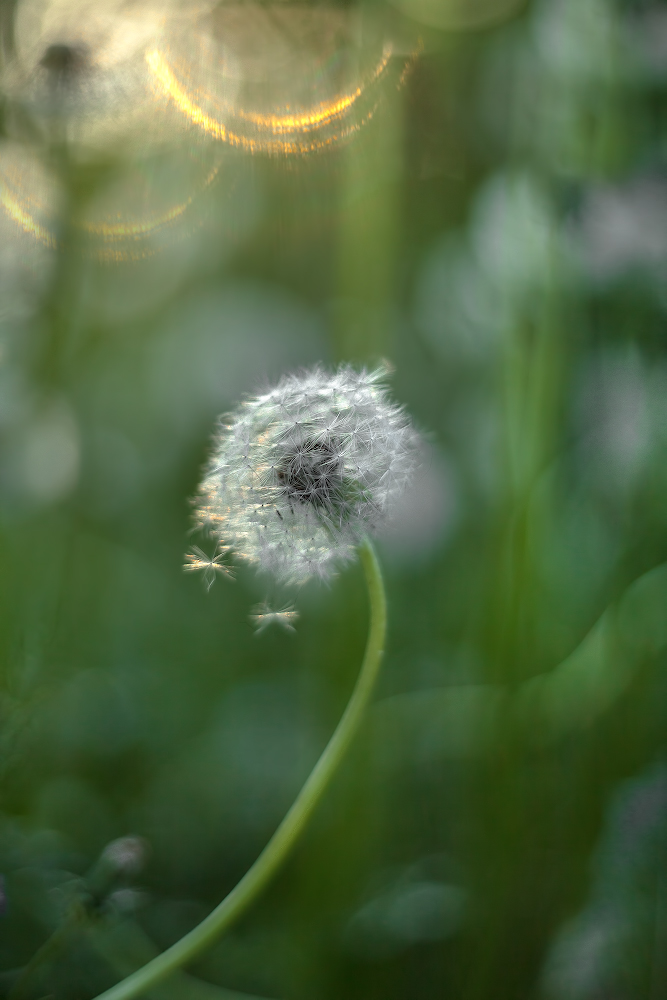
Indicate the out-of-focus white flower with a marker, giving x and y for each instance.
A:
(603, 951)
(621, 415)
(126, 856)
(301, 472)
(41, 446)
(472, 290)
(576, 39)
(81, 63)
(624, 229)
(563, 68)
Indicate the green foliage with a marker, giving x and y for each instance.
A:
(496, 230)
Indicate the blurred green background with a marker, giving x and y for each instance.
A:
(494, 224)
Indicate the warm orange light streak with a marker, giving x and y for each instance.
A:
(311, 119)
(108, 231)
(121, 230)
(323, 114)
(20, 215)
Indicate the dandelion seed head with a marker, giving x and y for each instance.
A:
(299, 473)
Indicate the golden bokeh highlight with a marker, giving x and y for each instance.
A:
(20, 214)
(28, 196)
(269, 126)
(153, 92)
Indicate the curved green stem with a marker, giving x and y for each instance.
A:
(282, 841)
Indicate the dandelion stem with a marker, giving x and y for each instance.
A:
(283, 840)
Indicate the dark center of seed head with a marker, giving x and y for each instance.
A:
(312, 474)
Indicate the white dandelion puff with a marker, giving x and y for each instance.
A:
(262, 616)
(197, 561)
(301, 473)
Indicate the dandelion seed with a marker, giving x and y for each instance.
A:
(300, 473)
(197, 561)
(262, 616)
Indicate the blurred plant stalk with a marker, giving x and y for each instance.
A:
(533, 362)
(370, 229)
